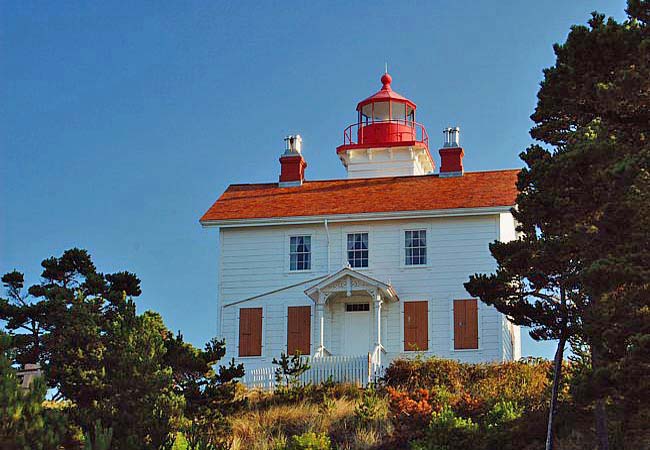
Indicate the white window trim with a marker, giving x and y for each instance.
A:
(415, 298)
(402, 247)
(287, 250)
(344, 246)
(479, 319)
(263, 349)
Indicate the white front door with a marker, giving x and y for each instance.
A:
(356, 337)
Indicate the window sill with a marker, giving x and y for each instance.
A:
(415, 266)
(357, 268)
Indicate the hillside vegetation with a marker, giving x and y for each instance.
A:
(426, 404)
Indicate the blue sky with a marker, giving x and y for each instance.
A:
(121, 124)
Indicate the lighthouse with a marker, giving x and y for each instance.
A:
(366, 268)
(386, 140)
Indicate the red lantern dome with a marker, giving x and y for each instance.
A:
(386, 140)
(385, 119)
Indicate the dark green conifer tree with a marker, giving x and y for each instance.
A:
(591, 196)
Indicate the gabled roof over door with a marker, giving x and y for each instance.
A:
(346, 281)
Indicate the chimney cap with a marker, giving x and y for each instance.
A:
(293, 144)
(452, 137)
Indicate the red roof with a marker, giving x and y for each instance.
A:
(365, 195)
(384, 94)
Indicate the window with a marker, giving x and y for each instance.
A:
(300, 253)
(298, 330)
(380, 111)
(250, 332)
(416, 326)
(358, 250)
(415, 245)
(398, 111)
(357, 307)
(465, 324)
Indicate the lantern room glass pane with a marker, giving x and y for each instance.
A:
(380, 111)
(366, 110)
(399, 111)
(410, 112)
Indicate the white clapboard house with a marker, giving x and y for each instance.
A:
(356, 272)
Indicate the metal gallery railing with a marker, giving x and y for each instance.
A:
(405, 130)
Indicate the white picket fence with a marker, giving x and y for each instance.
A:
(358, 370)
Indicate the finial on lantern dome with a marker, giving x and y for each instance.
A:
(386, 79)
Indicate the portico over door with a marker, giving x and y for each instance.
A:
(341, 287)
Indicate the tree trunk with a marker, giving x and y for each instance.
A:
(557, 376)
(600, 415)
(601, 425)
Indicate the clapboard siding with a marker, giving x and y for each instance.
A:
(254, 261)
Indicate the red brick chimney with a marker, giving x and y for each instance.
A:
(451, 154)
(292, 164)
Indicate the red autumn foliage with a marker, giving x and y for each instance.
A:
(468, 405)
(411, 411)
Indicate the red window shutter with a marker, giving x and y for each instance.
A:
(471, 311)
(250, 332)
(465, 324)
(416, 326)
(299, 330)
(459, 319)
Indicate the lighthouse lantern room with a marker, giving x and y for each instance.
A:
(386, 140)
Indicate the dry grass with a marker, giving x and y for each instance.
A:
(267, 425)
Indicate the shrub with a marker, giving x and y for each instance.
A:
(310, 441)
(410, 411)
(425, 373)
(441, 403)
(448, 431)
(502, 413)
(24, 422)
(101, 438)
(289, 369)
(475, 387)
(468, 405)
(369, 409)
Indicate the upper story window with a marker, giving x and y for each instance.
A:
(300, 253)
(415, 245)
(358, 250)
